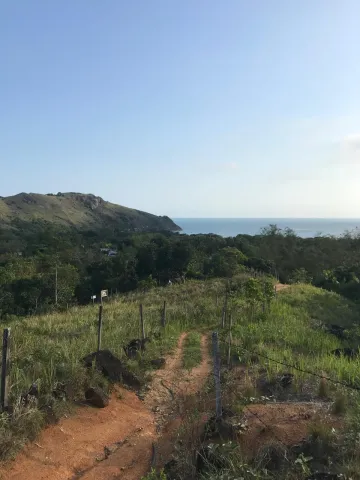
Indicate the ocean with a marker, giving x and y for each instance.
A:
(303, 227)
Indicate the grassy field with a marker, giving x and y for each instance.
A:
(292, 332)
(47, 350)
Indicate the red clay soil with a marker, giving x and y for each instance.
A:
(111, 443)
(185, 387)
(287, 423)
(76, 444)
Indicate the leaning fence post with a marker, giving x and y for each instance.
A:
(230, 342)
(99, 328)
(5, 367)
(142, 322)
(163, 316)
(216, 357)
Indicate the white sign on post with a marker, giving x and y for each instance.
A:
(104, 293)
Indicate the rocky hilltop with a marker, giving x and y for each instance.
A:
(85, 211)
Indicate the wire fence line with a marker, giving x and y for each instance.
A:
(309, 372)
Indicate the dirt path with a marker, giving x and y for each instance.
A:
(116, 442)
(281, 286)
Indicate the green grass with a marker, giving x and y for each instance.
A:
(73, 209)
(48, 349)
(192, 351)
(291, 333)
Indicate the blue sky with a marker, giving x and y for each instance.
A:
(195, 108)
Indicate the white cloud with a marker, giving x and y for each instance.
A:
(352, 142)
(229, 166)
(345, 150)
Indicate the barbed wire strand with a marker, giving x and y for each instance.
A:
(331, 380)
(266, 426)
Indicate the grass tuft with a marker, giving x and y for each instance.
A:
(192, 350)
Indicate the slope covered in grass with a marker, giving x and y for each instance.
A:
(286, 362)
(293, 332)
(78, 210)
(47, 350)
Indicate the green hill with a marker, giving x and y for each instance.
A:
(84, 211)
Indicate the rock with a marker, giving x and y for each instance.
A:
(336, 330)
(235, 359)
(34, 391)
(286, 379)
(158, 362)
(112, 368)
(31, 396)
(222, 428)
(134, 346)
(345, 352)
(96, 397)
(59, 391)
(226, 412)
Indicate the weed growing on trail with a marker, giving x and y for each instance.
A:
(340, 404)
(192, 351)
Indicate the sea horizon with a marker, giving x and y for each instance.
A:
(232, 226)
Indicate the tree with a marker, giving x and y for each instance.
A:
(300, 275)
(228, 262)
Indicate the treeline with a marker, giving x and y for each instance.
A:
(51, 268)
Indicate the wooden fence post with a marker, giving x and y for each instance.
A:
(216, 357)
(264, 298)
(142, 326)
(99, 328)
(223, 318)
(230, 342)
(163, 316)
(5, 368)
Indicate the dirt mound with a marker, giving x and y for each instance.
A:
(112, 368)
(286, 423)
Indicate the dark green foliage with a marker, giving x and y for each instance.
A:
(28, 262)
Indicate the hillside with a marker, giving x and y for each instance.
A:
(290, 405)
(84, 211)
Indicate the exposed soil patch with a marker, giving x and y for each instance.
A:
(281, 286)
(287, 423)
(69, 449)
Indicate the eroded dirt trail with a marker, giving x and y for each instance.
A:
(281, 286)
(116, 442)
